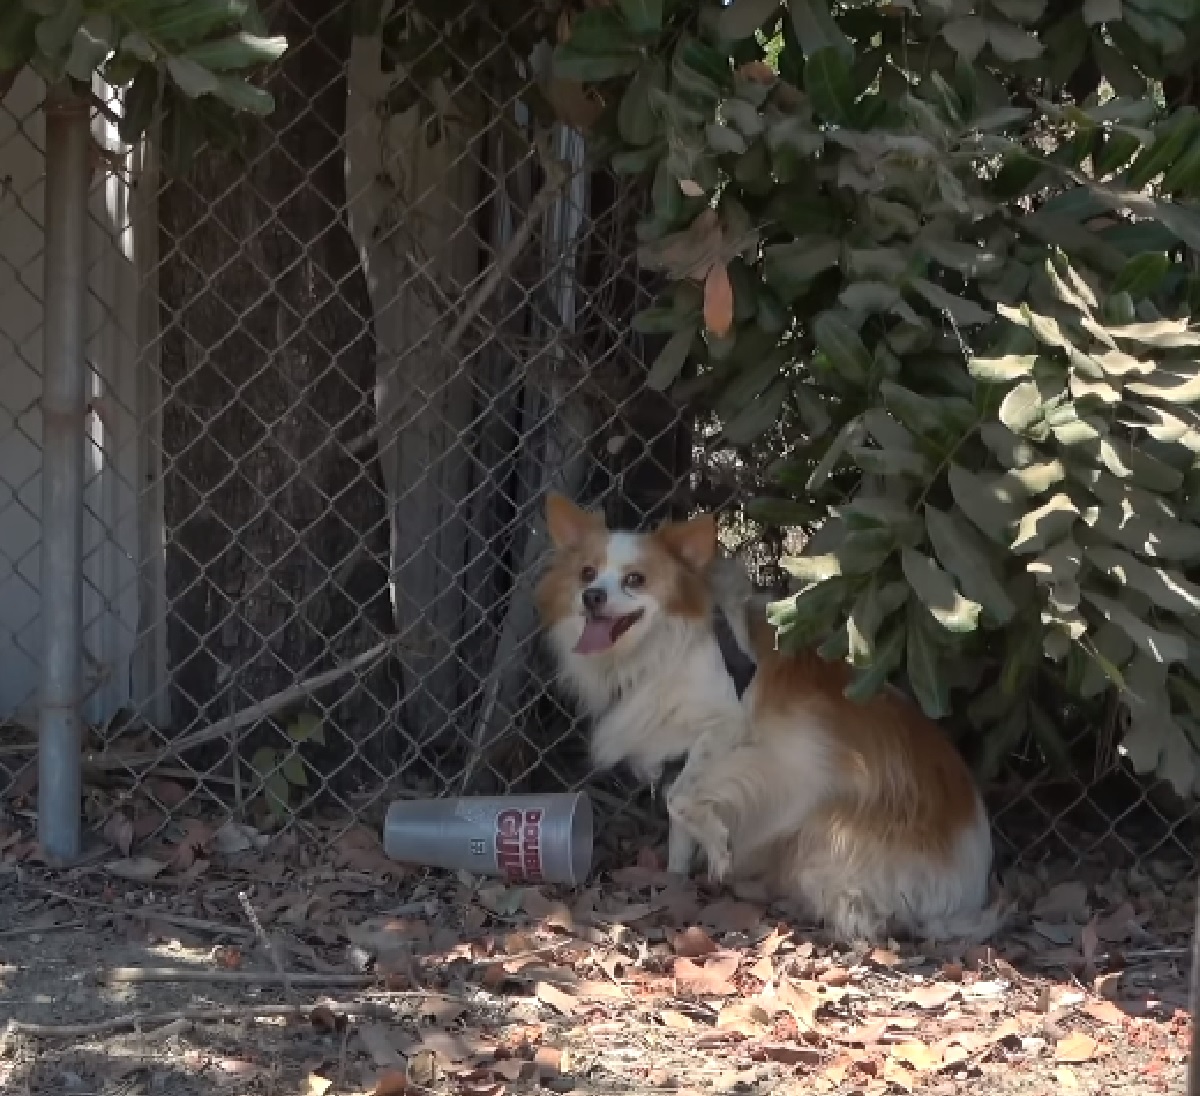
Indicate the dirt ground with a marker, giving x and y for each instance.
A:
(223, 962)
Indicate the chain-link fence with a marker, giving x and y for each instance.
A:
(332, 374)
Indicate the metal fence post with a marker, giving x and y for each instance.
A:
(65, 285)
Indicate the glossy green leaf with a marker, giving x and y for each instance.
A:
(964, 554)
(936, 589)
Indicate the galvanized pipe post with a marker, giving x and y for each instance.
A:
(68, 169)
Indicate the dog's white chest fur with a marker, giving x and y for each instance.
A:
(653, 705)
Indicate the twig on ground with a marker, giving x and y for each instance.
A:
(134, 975)
(28, 930)
(142, 1020)
(145, 913)
(272, 951)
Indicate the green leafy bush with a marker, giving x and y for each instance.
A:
(192, 56)
(947, 243)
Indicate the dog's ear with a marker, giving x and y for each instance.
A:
(693, 542)
(567, 524)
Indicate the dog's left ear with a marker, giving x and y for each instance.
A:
(568, 524)
(694, 542)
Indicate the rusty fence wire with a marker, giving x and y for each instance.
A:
(330, 377)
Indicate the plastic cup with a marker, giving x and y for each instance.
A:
(522, 838)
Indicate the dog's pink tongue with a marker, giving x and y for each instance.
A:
(597, 636)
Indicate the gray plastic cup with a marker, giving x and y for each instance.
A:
(522, 838)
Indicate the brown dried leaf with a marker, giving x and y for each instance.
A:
(764, 969)
(713, 977)
(377, 1038)
(676, 1020)
(549, 1059)
(758, 72)
(1067, 901)
(792, 1055)
(772, 943)
(894, 1073)
(1089, 941)
(324, 1019)
(932, 995)
(834, 976)
(884, 957)
(1076, 1047)
(742, 1016)
(1105, 1012)
(1119, 925)
(452, 1046)
(118, 831)
(316, 1085)
(555, 998)
(138, 869)
(394, 1082)
(1066, 1077)
(802, 1000)
(718, 300)
(922, 1058)
(693, 942)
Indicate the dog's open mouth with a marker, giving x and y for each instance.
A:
(600, 633)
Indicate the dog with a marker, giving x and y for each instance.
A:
(629, 619)
(862, 813)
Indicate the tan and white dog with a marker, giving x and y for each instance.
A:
(864, 814)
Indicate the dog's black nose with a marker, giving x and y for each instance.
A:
(594, 598)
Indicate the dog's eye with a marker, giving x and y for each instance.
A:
(588, 574)
(634, 580)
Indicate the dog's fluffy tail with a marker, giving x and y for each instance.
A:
(745, 610)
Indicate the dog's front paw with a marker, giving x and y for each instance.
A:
(710, 833)
(719, 856)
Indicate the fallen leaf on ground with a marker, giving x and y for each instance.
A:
(1065, 901)
(118, 830)
(377, 1038)
(392, 1083)
(764, 969)
(801, 999)
(932, 995)
(772, 942)
(693, 942)
(323, 1018)
(920, 1057)
(137, 869)
(549, 1059)
(745, 1017)
(1078, 1046)
(789, 1054)
(1105, 1012)
(713, 977)
(834, 976)
(1118, 926)
(677, 1020)
(555, 998)
(1066, 1078)
(884, 957)
(894, 1073)
(423, 1068)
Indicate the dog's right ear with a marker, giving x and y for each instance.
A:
(569, 525)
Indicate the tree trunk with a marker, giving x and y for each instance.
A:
(277, 543)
